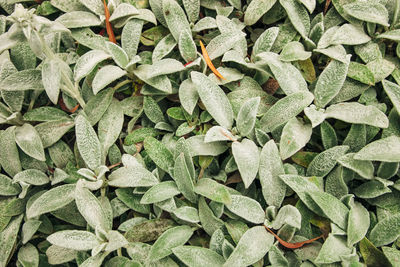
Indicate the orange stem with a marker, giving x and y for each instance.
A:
(292, 245)
(109, 29)
(74, 109)
(209, 63)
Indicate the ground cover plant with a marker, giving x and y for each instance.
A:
(199, 133)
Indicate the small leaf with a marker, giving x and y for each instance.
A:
(256, 9)
(90, 208)
(187, 214)
(247, 159)
(324, 162)
(183, 178)
(209, 221)
(223, 43)
(363, 167)
(164, 47)
(294, 51)
(51, 77)
(130, 36)
(8, 238)
(149, 230)
(385, 231)
(87, 142)
(29, 141)
(295, 136)
(333, 249)
(187, 47)
(265, 41)
(28, 255)
(353, 112)
(170, 239)
(159, 153)
(393, 92)
(74, 239)
(213, 190)
(285, 109)
(132, 176)
(252, 247)
(358, 223)
(218, 133)
(88, 62)
(371, 255)
(246, 117)
(175, 18)
(52, 200)
(247, 208)
(118, 54)
(330, 82)
(105, 76)
(370, 12)
(198, 147)
(214, 99)
(32, 176)
(9, 158)
(7, 188)
(297, 15)
(361, 73)
(188, 95)
(349, 34)
(386, 149)
(198, 257)
(78, 19)
(273, 188)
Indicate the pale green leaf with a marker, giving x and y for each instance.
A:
(295, 136)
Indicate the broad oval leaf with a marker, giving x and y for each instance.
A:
(271, 166)
(87, 142)
(213, 190)
(105, 76)
(32, 176)
(364, 168)
(247, 159)
(88, 62)
(52, 200)
(246, 118)
(295, 136)
(386, 149)
(194, 256)
(29, 141)
(285, 109)
(223, 43)
(23, 80)
(170, 239)
(160, 192)
(385, 231)
(159, 153)
(74, 239)
(330, 82)
(28, 255)
(298, 16)
(214, 99)
(256, 9)
(247, 208)
(78, 19)
(51, 77)
(358, 223)
(183, 179)
(175, 18)
(353, 112)
(132, 176)
(325, 161)
(9, 157)
(198, 147)
(252, 246)
(393, 92)
(368, 11)
(7, 188)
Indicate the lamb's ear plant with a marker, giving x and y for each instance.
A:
(199, 133)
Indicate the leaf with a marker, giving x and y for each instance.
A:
(132, 176)
(28, 139)
(9, 158)
(183, 178)
(256, 9)
(330, 82)
(22, 81)
(205, 24)
(295, 136)
(393, 35)
(187, 47)
(188, 95)
(32, 176)
(74, 239)
(164, 47)
(97, 105)
(385, 231)
(170, 239)
(123, 10)
(51, 78)
(273, 188)
(59, 255)
(252, 247)
(52, 131)
(197, 256)
(78, 19)
(28, 255)
(159, 153)
(247, 208)
(175, 18)
(130, 36)
(52, 200)
(349, 34)
(192, 8)
(358, 223)
(118, 54)
(393, 92)
(149, 230)
(160, 192)
(213, 190)
(371, 255)
(370, 12)
(187, 214)
(294, 51)
(198, 146)
(7, 188)
(289, 77)
(90, 208)
(214, 99)
(353, 112)
(88, 62)
(325, 161)
(223, 43)
(298, 16)
(381, 68)
(333, 249)
(247, 159)
(246, 117)
(45, 114)
(332, 208)
(285, 109)
(105, 76)
(361, 73)
(8, 237)
(87, 142)
(362, 167)
(110, 126)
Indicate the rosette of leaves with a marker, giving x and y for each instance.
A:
(120, 146)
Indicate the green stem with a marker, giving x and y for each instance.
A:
(119, 85)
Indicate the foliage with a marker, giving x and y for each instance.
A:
(199, 133)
